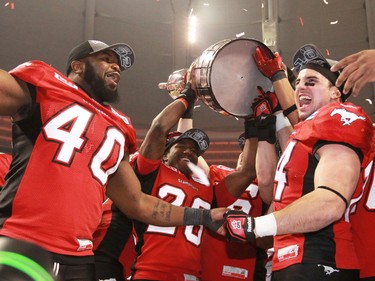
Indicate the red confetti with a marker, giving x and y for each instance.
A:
(301, 20)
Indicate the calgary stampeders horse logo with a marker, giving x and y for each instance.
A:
(347, 117)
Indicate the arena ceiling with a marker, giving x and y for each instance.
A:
(157, 31)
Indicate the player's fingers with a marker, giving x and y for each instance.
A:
(352, 79)
(222, 231)
(265, 53)
(359, 84)
(346, 73)
(260, 91)
(344, 62)
(258, 55)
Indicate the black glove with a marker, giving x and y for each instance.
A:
(239, 226)
(251, 130)
(266, 127)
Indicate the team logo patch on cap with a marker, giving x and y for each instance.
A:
(308, 54)
(126, 56)
(199, 136)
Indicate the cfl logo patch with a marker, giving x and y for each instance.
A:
(236, 224)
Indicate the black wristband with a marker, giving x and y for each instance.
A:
(278, 76)
(266, 125)
(251, 130)
(194, 216)
(189, 112)
(289, 110)
(188, 94)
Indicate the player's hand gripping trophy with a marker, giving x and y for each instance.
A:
(178, 80)
(176, 83)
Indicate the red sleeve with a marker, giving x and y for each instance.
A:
(31, 72)
(340, 123)
(222, 195)
(218, 172)
(145, 166)
(217, 175)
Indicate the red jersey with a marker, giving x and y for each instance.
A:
(334, 123)
(222, 260)
(5, 160)
(172, 253)
(113, 238)
(362, 219)
(64, 153)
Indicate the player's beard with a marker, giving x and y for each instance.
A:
(102, 93)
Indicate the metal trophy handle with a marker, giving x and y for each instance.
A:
(176, 82)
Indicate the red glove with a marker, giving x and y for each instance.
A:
(265, 103)
(271, 67)
(239, 226)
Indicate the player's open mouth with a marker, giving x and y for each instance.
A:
(304, 101)
(114, 77)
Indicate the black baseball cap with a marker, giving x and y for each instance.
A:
(200, 138)
(309, 56)
(124, 52)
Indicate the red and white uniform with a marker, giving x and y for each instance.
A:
(68, 148)
(222, 260)
(113, 238)
(5, 160)
(362, 219)
(172, 253)
(334, 123)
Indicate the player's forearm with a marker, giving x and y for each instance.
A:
(266, 161)
(154, 143)
(158, 212)
(238, 181)
(285, 95)
(311, 212)
(168, 117)
(184, 124)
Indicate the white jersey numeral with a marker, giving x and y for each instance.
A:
(68, 128)
(281, 174)
(244, 204)
(369, 183)
(192, 233)
(114, 138)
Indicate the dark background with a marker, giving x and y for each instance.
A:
(157, 31)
